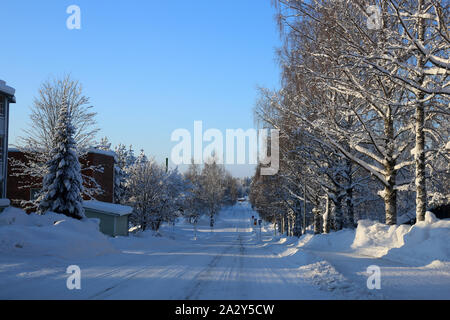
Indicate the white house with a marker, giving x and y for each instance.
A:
(6, 97)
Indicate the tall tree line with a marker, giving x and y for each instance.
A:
(363, 111)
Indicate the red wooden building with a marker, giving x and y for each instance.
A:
(22, 187)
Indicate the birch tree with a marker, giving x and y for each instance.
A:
(212, 186)
(357, 111)
(415, 55)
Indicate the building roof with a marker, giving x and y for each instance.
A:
(109, 153)
(107, 208)
(8, 91)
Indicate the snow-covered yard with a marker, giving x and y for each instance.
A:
(233, 261)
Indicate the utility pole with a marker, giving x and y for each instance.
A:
(195, 227)
(260, 226)
(167, 164)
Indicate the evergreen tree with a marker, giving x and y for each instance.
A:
(62, 186)
(120, 175)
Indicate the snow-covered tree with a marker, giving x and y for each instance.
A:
(104, 144)
(208, 189)
(145, 185)
(156, 196)
(45, 113)
(176, 196)
(194, 206)
(415, 55)
(212, 186)
(63, 185)
(344, 105)
(120, 174)
(349, 92)
(231, 189)
(38, 141)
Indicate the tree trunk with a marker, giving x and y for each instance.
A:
(350, 210)
(298, 222)
(390, 194)
(350, 219)
(338, 219)
(326, 217)
(390, 203)
(281, 226)
(419, 156)
(286, 224)
(317, 221)
(304, 208)
(421, 193)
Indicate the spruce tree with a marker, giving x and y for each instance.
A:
(63, 186)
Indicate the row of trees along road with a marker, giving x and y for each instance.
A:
(159, 195)
(363, 113)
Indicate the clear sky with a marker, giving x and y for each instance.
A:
(148, 66)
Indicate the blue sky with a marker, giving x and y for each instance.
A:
(149, 67)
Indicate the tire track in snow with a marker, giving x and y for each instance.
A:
(125, 279)
(204, 276)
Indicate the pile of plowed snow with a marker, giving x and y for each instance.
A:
(51, 235)
(376, 239)
(425, 242)
(335, 241)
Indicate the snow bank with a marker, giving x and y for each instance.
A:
(425, 243)
(422, 243)
(51, 235)
(335, 241)
(14, 216)
(376, 239)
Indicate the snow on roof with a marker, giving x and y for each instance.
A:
(12, 149)
(104, 152)
(6, 89)
(111, 208)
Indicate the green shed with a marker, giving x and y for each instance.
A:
(4, 203)
(113, 217)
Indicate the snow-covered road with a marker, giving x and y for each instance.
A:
(232, 262)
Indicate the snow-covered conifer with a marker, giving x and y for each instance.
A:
(63, 186)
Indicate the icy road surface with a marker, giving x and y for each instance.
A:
(235, 261)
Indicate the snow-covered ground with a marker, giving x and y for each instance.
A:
(234, 261)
